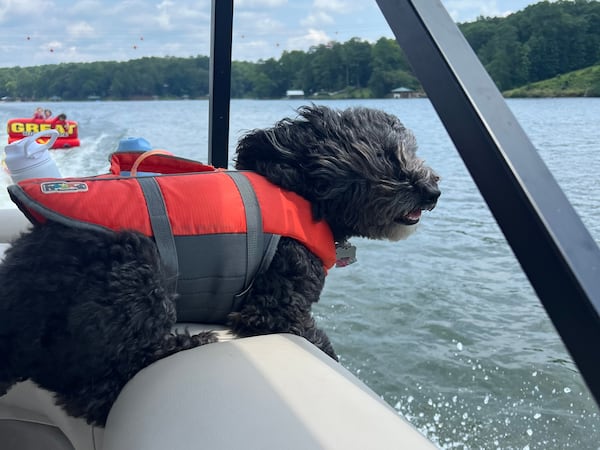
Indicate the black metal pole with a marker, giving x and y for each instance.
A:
(556, 251)
(220, 82)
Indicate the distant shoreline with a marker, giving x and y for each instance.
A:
(507, 95)
(309, 99)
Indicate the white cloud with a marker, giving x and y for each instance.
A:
(335, 6)
(52, 46)
(259, 3)
(253, 50)
(311, 38)
(93, 30)
(13, 9)
(250, 23)
(83, 7)
(468, 10)
(81, 29)
(316, 19)
(163, 18)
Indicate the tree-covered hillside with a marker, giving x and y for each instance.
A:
(579, 83)
(540, 42)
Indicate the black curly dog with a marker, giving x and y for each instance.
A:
(81, 312)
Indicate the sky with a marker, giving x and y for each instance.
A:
(36, 32)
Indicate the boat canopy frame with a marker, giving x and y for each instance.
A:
(551, 243)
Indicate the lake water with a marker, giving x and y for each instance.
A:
(444, 326)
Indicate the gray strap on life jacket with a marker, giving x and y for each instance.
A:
(259, 253)
(254, 228)
(161, 228)
(269, 252)
(270, 249)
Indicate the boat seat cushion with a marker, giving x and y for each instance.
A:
(21, 435)
(29, 416)
(267, 392)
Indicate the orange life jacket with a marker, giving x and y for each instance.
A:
(215, 230)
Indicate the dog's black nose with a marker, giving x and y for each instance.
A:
(430, 193)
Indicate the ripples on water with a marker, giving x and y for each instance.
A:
(444, 326)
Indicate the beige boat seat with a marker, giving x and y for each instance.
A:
(266, 392)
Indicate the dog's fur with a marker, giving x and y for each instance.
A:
(82, 311)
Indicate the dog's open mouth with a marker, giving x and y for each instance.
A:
(411, 218)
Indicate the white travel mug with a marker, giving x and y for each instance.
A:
(27, 158)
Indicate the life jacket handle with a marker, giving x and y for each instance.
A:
(145, 155)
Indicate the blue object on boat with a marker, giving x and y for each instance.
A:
(129, 144)
(134, 143)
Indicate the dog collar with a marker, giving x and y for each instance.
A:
(345, 254)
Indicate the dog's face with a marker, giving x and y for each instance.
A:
(358, 167)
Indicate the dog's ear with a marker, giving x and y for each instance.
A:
(300, 154)
(268, 152)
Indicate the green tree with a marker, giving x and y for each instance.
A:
(243, 78)
(356, 57)
(390, 68)
(294, 70)
(508, 58)
(324, 64)
(540, 42)
(271, 82)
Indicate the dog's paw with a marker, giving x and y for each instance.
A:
(177, 342)
(205, 337)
